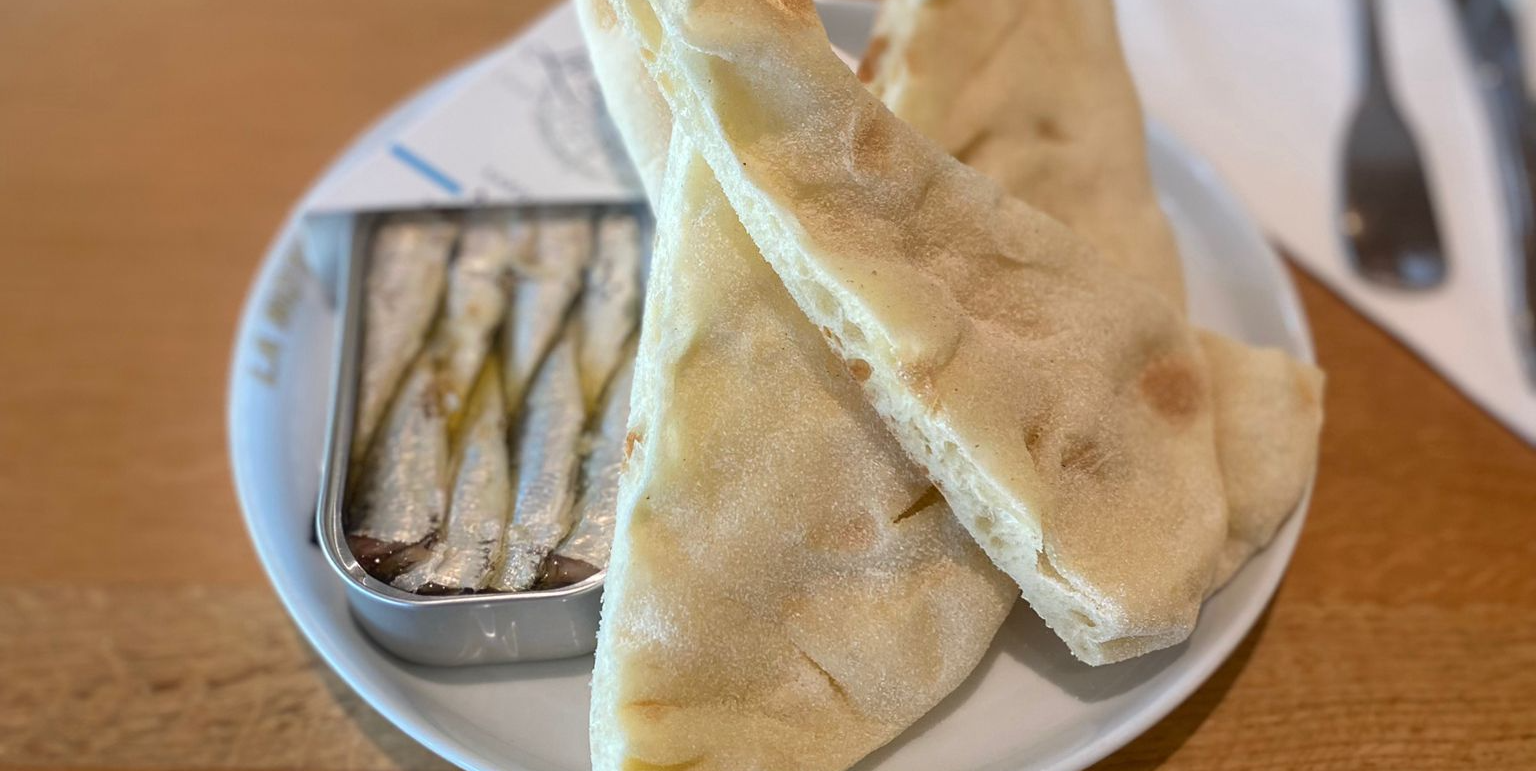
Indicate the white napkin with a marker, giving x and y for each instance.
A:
(523, 125)
(1264, 89)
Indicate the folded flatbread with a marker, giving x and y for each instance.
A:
(1269, 412)
(786, 589)
(1036, 94)
(633, 103)
(1063, 406)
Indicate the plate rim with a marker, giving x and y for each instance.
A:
(422, 730)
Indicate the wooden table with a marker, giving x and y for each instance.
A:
(148, 151)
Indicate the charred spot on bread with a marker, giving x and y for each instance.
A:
(1173, 387)
(872, 55)
(859, 369)
(1048, 129)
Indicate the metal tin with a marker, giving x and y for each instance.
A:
(440, 631)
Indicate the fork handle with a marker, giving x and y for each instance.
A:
(1373, 61)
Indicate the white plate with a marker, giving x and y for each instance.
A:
(1029, 705)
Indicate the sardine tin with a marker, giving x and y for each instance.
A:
(440, 631)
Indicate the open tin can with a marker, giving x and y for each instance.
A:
(435, 630)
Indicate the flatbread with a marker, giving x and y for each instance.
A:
(783, 591)
(786, 589)
(1269, 412)
(1036, 94)
(634, 104)
(1062, 406)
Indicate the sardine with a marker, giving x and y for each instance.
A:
(404, 285)
(610, 301)
(465, 551)
(585, 551)
(547, 446)
(401, 494)
(479, 285)
(547, 282)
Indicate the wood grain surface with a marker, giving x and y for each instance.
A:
(148, 151)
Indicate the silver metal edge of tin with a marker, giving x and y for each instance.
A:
(440, 631)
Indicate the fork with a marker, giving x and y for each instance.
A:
(1388, 217)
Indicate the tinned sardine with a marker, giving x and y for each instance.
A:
(407, 260)
(547, 445)
(548, 280)
(479, 285)
(401, 494)
(585, 551)
(609, 308)
(465, 552)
